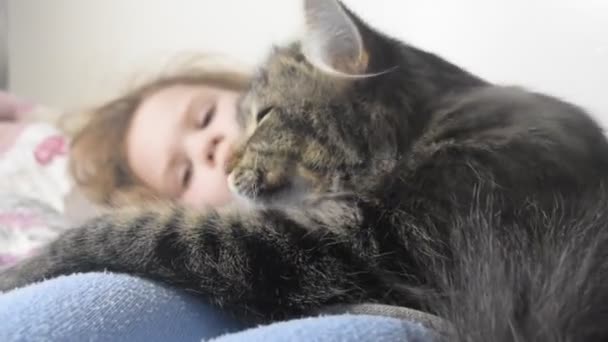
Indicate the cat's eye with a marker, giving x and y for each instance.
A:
(262, 113)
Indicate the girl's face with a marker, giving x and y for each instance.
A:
(180, 139)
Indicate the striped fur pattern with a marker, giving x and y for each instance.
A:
(374, 171)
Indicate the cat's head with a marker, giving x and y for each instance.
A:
(315, 117)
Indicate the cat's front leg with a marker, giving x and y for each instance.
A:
(28, 271)
(66, 255)
(277, 261)
(117, 241)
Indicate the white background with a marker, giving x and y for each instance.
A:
(69, 53)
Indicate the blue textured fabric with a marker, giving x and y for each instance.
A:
(117, 307)
(107, 307)
(358, 328)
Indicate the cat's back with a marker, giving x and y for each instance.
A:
(495, 117)
(495, 114)
(522, 141)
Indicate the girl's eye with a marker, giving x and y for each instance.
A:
(208, 117)
(186, 177)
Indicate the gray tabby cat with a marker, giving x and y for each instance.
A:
(382, 173)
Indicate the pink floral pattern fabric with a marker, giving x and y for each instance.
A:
(33, 183)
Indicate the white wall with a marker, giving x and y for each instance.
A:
(3, 45)
(73, 52)
(67, 52)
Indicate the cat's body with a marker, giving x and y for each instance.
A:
(421, 185)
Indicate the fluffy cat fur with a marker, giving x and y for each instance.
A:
(378, 172)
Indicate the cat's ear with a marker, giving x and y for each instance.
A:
(332, 42)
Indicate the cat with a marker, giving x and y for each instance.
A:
(378, 172)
